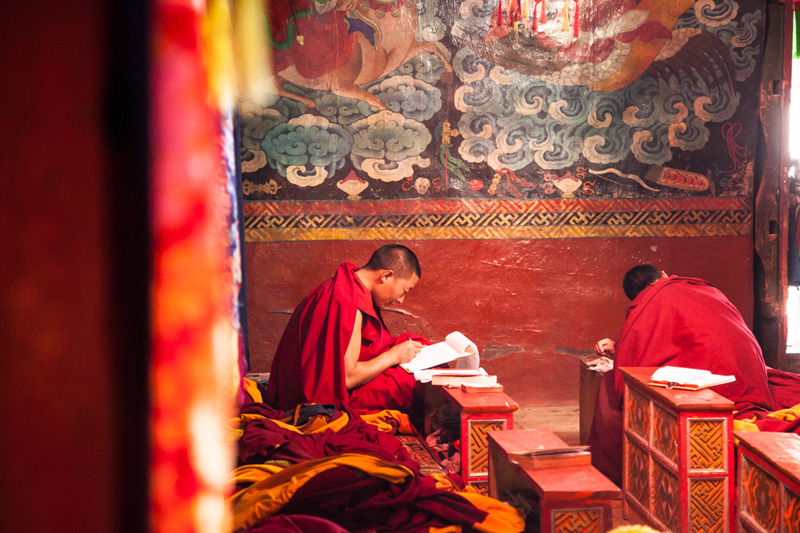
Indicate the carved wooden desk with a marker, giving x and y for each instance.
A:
(769, 481)
(479, 412)
(575, 499)
(677, 456)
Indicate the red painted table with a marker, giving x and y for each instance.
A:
(479, 413)
(769, 482)
(575, 499)
(677, 456)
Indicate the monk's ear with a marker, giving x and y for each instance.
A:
(386, 275)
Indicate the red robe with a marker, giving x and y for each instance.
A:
(309, 363)
(679, 322)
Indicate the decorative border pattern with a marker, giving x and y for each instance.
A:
(665, 434)
(638, 474)
(495, 219)
(707, 504)
(638, 413)
(478, 448)
(586, 520)
(665, 503)
(760, 495)
(707, 444)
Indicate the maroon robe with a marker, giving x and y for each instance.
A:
(679, 322)
(309, 363)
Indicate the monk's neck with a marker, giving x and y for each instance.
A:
(365, 278)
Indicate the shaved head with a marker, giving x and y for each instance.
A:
(397, 258)
(638, 278)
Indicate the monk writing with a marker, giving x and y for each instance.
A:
(682, 322)
(336, 348)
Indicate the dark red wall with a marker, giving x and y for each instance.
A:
(533, 307)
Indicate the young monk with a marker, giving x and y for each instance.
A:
(337, 349)
(679, 322)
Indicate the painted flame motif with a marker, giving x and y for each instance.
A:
(677, 179)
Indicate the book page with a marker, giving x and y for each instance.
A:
(433, 355)
(462, 344)
(425, 375)
(454, 346)
(676, 374)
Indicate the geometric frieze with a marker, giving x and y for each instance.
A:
(494, 219)
(707, 444)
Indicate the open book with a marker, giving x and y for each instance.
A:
(676, 377)
(454, 346)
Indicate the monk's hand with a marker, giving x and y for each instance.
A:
(605, 347)
(408, 350)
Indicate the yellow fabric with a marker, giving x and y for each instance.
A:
(272, 487)
(744, 425)
(447, 529)
(321, 423)
(442, 482)
(381, 419)
(241, 421)
(792, 413)
(251, 388)
(748, 424)
(233, 434)
(501, 517)
(316, 424)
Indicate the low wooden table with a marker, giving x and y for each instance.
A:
(769, 481)
(479, 412)
(574, 499)
(677, 467)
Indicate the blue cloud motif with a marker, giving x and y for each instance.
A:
(307, 150)
(408, 96)
(387, 145)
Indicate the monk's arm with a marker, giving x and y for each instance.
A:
(359, 372)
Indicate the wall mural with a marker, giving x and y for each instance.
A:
(504, 119)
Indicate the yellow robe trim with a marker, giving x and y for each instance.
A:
(787, 414)
(744, 425)
(314, 425)
(241, 421)
(272, 487)
(381, 418)
(251, 388)
(501, 517)
(748, 424)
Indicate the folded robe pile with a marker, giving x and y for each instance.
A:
(330, 467)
